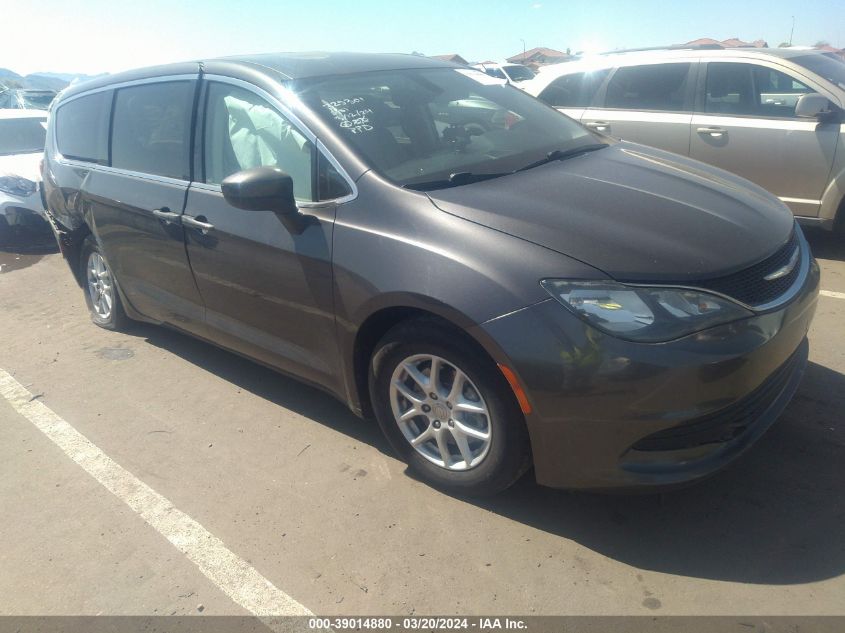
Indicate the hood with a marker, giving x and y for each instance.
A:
(23, 165)
(636, 213)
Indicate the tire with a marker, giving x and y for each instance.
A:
(5, 232)
(104, 303)
(476, 466)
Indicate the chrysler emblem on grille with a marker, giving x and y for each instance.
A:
(784, 270)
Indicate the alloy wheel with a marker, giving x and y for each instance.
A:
(100, 286)
(440, 412)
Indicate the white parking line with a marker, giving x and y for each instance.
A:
(830, 293)
(231, 573)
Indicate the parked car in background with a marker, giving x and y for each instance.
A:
(514, 74)
(497, 294)
(22, 134)
(26, 98)
(773, 116)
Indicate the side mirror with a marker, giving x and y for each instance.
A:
(811, 105)
(261, 189)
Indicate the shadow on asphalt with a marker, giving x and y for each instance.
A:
(25, 249)
(826, 244)
(774, 517)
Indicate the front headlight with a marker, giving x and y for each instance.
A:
(17, 186)
(643, 314)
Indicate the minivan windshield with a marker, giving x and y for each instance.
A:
(824, 66)
(427, 125)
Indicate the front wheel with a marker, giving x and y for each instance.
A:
(447, 410)
(100, 287)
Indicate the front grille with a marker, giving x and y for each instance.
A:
(749, 285)
(728, 423)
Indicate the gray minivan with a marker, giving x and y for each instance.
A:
(772, 116)
(497, 284)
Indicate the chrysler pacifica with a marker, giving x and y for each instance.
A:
(496, 284)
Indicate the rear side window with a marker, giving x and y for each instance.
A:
(649, 87)
(751, 90)
(151, 128)
(82, 128)
(573, 91)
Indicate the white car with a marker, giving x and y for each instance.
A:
(22, 135)
(514, 74)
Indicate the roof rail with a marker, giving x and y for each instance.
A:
(673, 47)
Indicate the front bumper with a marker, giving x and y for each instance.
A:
(610, 414)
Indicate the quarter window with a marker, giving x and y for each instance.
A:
(243, 131)
(151, 128)
(573, 91)
(330, 184)
(82, 128)
(649, 87)
(751, 90)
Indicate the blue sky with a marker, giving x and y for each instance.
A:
(92, 36)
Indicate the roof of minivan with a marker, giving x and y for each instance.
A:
(606, 60)
(289, 65)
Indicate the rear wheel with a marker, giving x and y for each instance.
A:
(5, 232)
(447, 410)
(100, 287)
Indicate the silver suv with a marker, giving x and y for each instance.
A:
(772, 116)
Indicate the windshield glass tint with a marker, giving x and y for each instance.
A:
(417, 126)
(21, 136)
(519, 73)
(830, 69)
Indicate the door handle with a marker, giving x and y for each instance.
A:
(167, 215)
(715, 132)
(197, 223)
(598, 126)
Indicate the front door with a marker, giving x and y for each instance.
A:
(266, 285)
(748, 126)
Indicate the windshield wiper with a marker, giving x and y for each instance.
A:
(455, 180)
(562, 154)
(466, 177)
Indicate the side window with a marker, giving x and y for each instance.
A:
(495, 72)
(776, 94)
(151, 128)
(649, 87)
(574, 91)
(729, 89)
(564, 92)
(244, 131)
(751, 90)
(82, 128)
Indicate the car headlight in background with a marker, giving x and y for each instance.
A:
(643, 314)
(17, 186)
